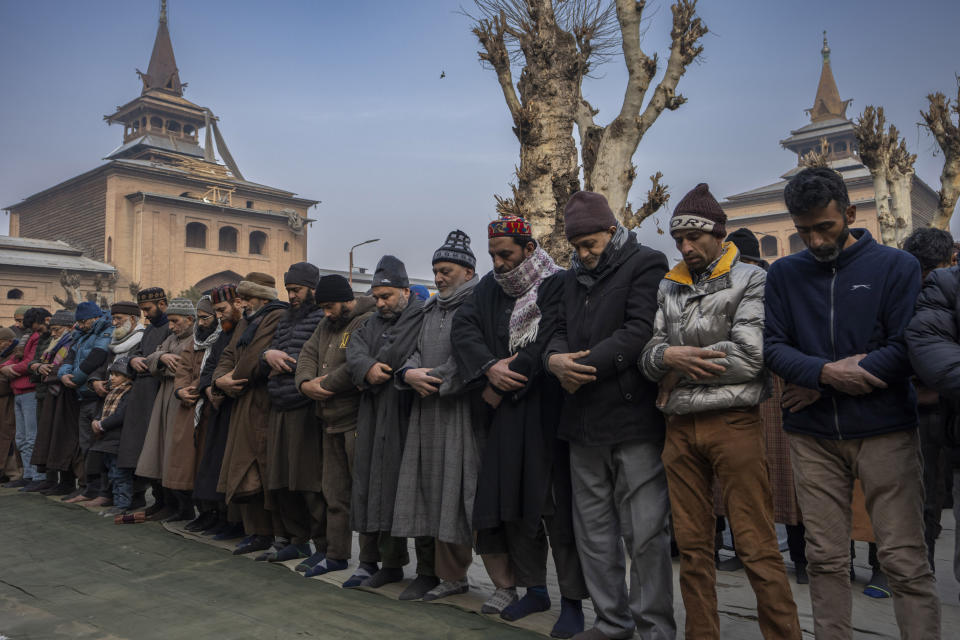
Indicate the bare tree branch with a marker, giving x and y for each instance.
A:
(938, 119)
(891, 167)
(816, 158)
(657, 197)
(491, 33)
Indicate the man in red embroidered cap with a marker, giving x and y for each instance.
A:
(707, 355)
(523, 491)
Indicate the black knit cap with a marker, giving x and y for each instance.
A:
(390, 272)
(747, 243)
(333, 288)
(122, 366)
(303, 274)
(125, 307)
(456, 249)
(699, 211)
(62, 318)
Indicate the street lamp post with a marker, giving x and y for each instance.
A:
(351, 255)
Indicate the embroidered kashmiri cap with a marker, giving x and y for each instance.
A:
(509, 227)
(223, 293)
(181, 307)
(153, 294)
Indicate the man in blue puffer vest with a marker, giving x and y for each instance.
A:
(87, 355)
(835, 317)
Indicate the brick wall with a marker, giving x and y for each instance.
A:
(74, 214)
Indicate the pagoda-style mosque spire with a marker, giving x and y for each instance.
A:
(162, 73)
(827, 105)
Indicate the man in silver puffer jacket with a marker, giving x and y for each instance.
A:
(707, 355)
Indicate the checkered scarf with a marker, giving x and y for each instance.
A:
(523, 283)
(112, 401)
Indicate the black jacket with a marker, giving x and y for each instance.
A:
(112, 425)
(611, 315)
(292, 331)
(933, 339)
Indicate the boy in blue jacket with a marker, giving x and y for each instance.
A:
(835, 317)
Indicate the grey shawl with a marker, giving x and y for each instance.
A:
(438, 472)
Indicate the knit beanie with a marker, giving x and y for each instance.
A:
(181, 307)
(699, 211)
(122, 366)
(456, 249)
(587, 212)
(333, 288)
(87, 310)
(125, 307)
(153, 294)
(205, 304)
(419, 292)
(257, 285)
(62, 318)
(6, 333)
(509, 227)
(303, 274)
(747, 243)
(390, 272)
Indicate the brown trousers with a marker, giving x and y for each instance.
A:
(301, 516)
(729, 444)
(256, 519)
(452, 560)
(337, 482)
(890, 472)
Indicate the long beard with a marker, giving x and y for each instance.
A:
(122, 332)
(227, 324)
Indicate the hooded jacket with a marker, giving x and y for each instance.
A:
(610, 311)
(88, 353)
(823, 312)
(723, 312)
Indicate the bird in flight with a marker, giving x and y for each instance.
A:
(443, 74)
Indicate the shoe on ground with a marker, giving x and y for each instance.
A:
(878, 587)
(500, 600)
(154, 508)
(310, 562)
(419, 587)
(252, 544)
(202, 521)
(362, 574)
(801, 573)
(383, 577)
(17, 484)
(291, 552)
(730, 564)
(37, 486)
(179, 516)
(447, 588)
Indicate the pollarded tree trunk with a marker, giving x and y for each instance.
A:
(557, 42)
(900, 186)
(939, 120)
(879, 150)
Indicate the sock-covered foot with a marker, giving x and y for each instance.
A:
(500, 600)
(231, 532)
(570, 621)
(310, 562)
(382, 577)
(253, 543)
(271, 553)
(291, 552)
(447, 588)
(419, 587)
(536, 599)
(326, 565)
(364, 571)
(878, 586)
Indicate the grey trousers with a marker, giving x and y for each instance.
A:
(620, 502)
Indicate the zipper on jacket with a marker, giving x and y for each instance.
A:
(833, 342)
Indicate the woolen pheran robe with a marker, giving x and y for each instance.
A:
(158, 443)
(382, 418)
(142, 395)
(243, 472)
(441, 456)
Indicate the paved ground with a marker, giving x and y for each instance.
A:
(65, 573)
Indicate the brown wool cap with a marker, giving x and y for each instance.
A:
(6, 333)
(699, 211)
(587, 212)
(125, 307)
(258, 285)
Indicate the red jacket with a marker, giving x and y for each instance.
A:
(23, 383)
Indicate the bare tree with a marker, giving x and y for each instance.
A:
(885, 154)
(556, 44)
(71, 288)
(817, 157)
(939, 120)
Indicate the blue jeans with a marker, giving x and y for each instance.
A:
(25, 408)
(122, 480)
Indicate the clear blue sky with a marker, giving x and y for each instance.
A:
(343, 102)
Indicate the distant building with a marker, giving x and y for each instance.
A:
(162, 210)
(763, 211)
(30, 273)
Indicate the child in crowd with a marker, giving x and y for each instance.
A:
(106, 429)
